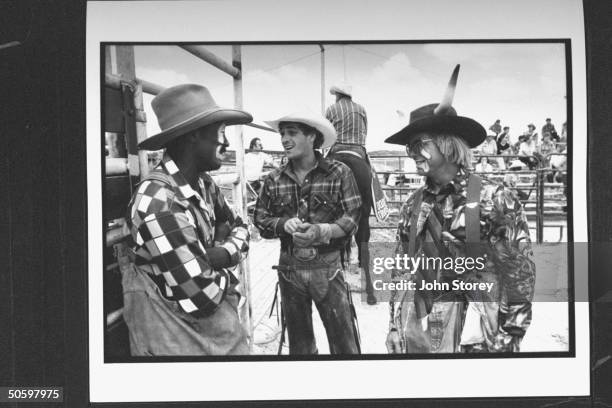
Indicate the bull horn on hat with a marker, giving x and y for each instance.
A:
(447, 100)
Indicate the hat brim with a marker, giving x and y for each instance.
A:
(326, 129)
(333, 90)
(468, 129)
(227, 116)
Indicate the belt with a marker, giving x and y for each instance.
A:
(310, 253)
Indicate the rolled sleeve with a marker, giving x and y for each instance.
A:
(269, 225)
(350, 201)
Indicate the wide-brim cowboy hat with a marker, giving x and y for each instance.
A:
(316, 121)
(441, 117)
(183, 108)
(341, 88)
(516, 164)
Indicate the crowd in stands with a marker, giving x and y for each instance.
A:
(533, 150)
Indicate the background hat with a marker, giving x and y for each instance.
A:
(342, 88)
(531, 125)
(316, 121)
(441, 117)
(516, 164)
(183, 108)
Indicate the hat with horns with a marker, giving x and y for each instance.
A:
(441, 117)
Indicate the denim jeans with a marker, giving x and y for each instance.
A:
(320, 281)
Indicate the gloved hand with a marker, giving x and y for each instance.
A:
(222, 231)
(307, 235)
(292, 224)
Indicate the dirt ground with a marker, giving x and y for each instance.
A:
(548, 330)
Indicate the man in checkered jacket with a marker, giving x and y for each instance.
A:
(181, 297)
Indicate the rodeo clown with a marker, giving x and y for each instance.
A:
(458, 215)
(181, 297)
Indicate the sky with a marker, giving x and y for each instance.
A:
(518, 83)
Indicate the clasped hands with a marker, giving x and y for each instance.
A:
(305, 234)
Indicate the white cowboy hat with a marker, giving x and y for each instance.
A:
(342, 88)
(516, 163)
(316, 121)
(183, 108)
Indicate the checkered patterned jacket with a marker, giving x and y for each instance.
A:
(172, 225)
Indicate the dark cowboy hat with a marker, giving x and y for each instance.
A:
(183, 108)
(441, 117)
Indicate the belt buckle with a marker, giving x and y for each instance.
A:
(305, 254)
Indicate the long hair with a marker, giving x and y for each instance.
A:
(453, 148)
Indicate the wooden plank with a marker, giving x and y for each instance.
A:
(117, 193)
(113, 116)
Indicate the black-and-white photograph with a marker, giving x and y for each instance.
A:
(402, 197)
(326, 199)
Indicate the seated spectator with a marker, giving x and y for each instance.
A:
(488, 147)
(528, 149)
(503, 144)
(531, 133)
(547, 147)
(484, 166)
(550, 128)
(505, 132)
(563, 138)
(559, 163)
(504, 148)
(254, 162)
(511, 179)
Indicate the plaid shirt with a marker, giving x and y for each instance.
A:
(171, 226)
(328, 194)
(349, 120)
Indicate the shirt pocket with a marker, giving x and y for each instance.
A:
(283, 206)
(326, 206)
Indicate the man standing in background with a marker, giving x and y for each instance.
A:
(496, 127)
(254, 161)
(351, 123)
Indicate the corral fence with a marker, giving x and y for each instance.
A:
(543, 197)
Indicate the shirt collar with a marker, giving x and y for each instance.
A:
(185, 190)
(457, 185)
(322, 164)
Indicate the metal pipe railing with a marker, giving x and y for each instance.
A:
(202, 53)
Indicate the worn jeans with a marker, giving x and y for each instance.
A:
(320, 281)
(159, 327)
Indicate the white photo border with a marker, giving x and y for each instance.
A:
(388, 20)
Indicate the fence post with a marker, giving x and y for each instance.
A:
(540, 206)
(240, 191)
